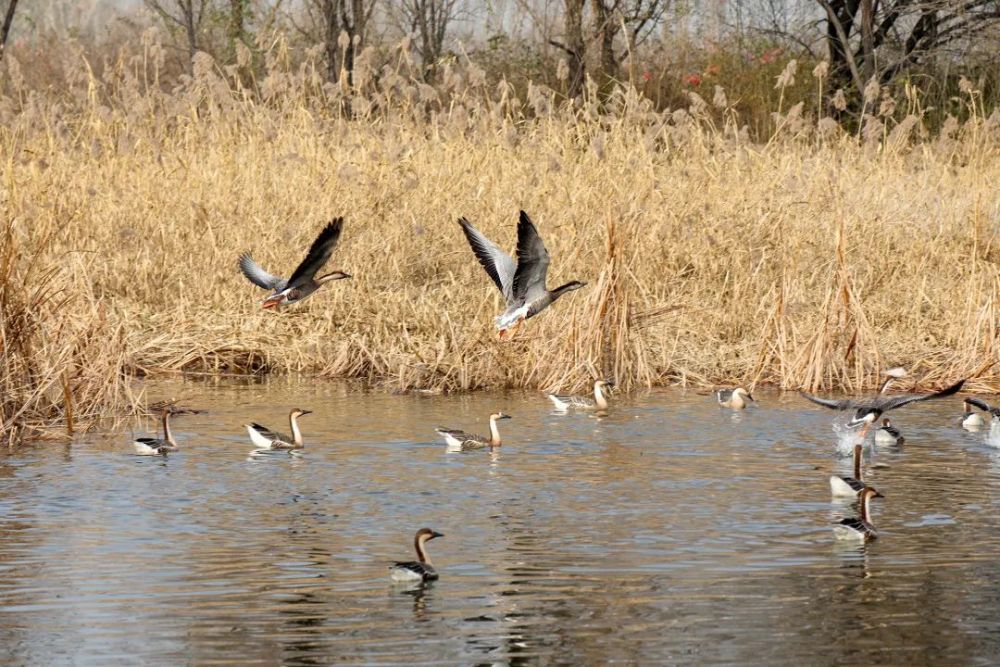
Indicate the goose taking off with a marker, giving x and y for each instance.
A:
(460, 441)
(303, 281)
(420, 569)
(733, 398)
(859, 527)
(158, 446)
(866, 411)
(264, 438)
(523, 284)
(598, 402)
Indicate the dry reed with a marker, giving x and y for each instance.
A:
(812, 261)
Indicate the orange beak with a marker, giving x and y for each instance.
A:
(271, 303)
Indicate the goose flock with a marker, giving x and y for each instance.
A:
(522, 283)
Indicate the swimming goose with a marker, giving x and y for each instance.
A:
(420, 569)
(158, 446)
(888, 434)
(598, 402)
(859, 527)
(264, 438)
(303, 281)
(733, 398)
(523, 284)
(460, 441)
(849, 487)
(866, 411)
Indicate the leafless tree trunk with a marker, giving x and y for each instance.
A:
(8, 19)
(605, 29)
(237, 29)
(428, 21)
(348, 18)
(574, 46)
(186, 14)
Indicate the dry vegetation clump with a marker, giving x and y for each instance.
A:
(62, 357)
(812, 260)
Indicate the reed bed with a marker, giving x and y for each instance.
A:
(813, 260)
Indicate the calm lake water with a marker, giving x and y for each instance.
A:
(668, 531)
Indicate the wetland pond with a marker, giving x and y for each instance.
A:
(669, 531)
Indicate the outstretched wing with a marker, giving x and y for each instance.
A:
(319, 252)
(256, 274)
(498, 264)
(982, 405)
(532, 261)
(828, 402)
(900, 401)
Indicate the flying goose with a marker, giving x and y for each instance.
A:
(523, 284)
(866, 411)
(303, 281)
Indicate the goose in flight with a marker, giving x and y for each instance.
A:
(303, 281)
(866, 411)
(522, 284)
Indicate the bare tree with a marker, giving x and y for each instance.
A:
(612, 22)
(880, 39)
(349, 18)
(185, 14)
(428, 21)
(8, 19)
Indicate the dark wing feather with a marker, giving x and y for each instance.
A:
(532, 261)
(319, 252)
(900, 401)
(256, 274)
(854, 522)
(417, 568)
(498, 264)
(982, 405)
(828, 402)
(268, 433)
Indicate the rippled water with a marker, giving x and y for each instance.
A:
(669, 531)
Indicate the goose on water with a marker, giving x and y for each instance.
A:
(888, 434)
(158, 446)
(733, 398)
(264, 438)
(421, 569)
(598, 402)
(859, 527)
(460, 441)
(522, 284)
(849, 487)
(970, 418)
(303, 281)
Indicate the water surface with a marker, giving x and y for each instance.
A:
(668, 531)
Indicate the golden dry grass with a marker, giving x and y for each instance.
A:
(809, 261)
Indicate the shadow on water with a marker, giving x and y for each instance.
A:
(666, 530)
